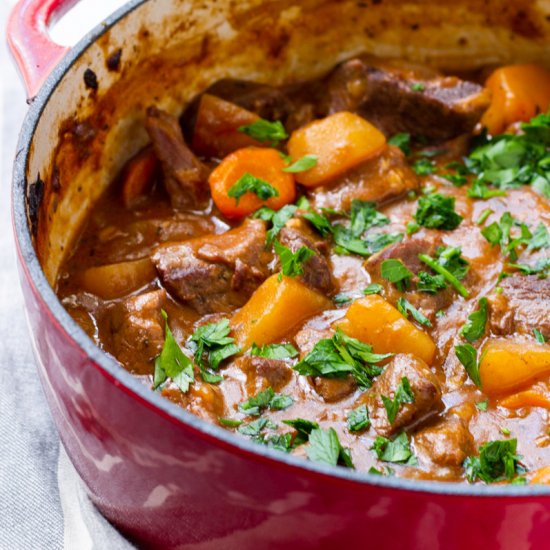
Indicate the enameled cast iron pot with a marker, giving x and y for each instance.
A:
(163, 476)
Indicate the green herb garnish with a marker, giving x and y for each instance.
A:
(467, 355)
(475, 327)
(266, 399)
(437, 211)
(397, 273)
(325, 447)
(497, 461)
(405, 307)
(301, 165)
(292, 263)
(403, 394)
(274, 351)
(397, 450)
(358, 419)
(265, 131)
(248, 183)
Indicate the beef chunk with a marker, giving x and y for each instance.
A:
(317, 273)
(407, 251)
(215, 273)
(185, 177)
(523, 305)
(334, 389)
(137, 329)
(397, 100)
(447, 443)
(306, 338)
(271, 372)
(424, 385)
(379, 179)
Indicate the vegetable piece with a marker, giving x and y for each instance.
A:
(542, 475)
(258, 163)
(533, 397)
(216, 132)
(497, 461)
(274, 309)
(519, 92)
(138, 176)
(115, 280)
(340, 142)
(507, 366)
(374, 320)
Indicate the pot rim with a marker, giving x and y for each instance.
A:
(108, 365)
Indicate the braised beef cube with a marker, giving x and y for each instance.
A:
(317, 273)
(396, 100)
(306, 338)
(334, 389)
(203, 400)
(185, 177)
(425, 388)
(448, 443)
(215, 273)
(137, 330)
(523, 305)
(262, 372)
(380, 179)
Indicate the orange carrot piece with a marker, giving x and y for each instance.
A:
(138, 176)
(263, 163)
(528, 398)
(542, 476)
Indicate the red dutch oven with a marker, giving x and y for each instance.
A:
(166, 478)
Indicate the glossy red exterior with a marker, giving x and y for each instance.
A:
(169, 480)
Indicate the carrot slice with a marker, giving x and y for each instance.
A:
(138, 176)
(527, 398)
(542, 476)
(519, 92)
(262, 163)
(216, 128)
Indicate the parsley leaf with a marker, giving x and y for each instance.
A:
(397, 450)
(539, 336)
(467, 355)
(403, 141)
(396, 272)
(301, 165)
(342, 355)
(278, 219)
(274, 351)
(230, 422)
(325, 447)
(437, 211)
(480, 190)
(497, 461)
(405, 307)
(540, 268)
(303, 429)
(358, 419)
(292, 262)
(248, 183)
(373, 288)
(450, 265)
(540, 239)
(172, 362)
(213, 341)
(267, 398)
(423, 167)
(255, 428)
(265, 131)
(418, 87)
(475, 327)
(430, 283)
(403, 394)
(482, 405)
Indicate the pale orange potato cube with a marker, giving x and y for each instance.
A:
(375, 321)
(340, 142)
(115, 280)
(519, 92)
(274, 310)
(507, 366)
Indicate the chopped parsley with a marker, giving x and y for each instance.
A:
(423, 167)
(403, 141)
(325, 447)
(213, 343)
(397, 273)
(384, 471)
(303, 429)
(418, 87)
(265, 131)
(405, 307)
(483, 216)
(540, 268)
(475, 327)
(172, 362)
(482, 405)
(450, 265)
(373, 288)
(430, 284)
(479, 190)
(266, 399)
(437, 211)
(467, 355)
(539, 336)
(397, 450)
(274, 351)
(358, 419)
(277, 219)
(403, 394)
(248, 183)
(230, 422)
(497, 461)
(412, 228)
(340, 356)
(307, 162)
(292, 262)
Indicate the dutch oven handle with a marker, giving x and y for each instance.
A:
(34, 51)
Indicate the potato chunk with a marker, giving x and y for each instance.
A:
(340, 142)
(507, 366)
(375, 321)
(274, 310)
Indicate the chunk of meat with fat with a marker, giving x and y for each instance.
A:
(216, 273)
(262, 372)
(523, 305)
(185, 176)
(317, 273)
(424, 385)
(404, 100)
(137, 330)
(379, 179)
(448, 443)
(334, 389)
